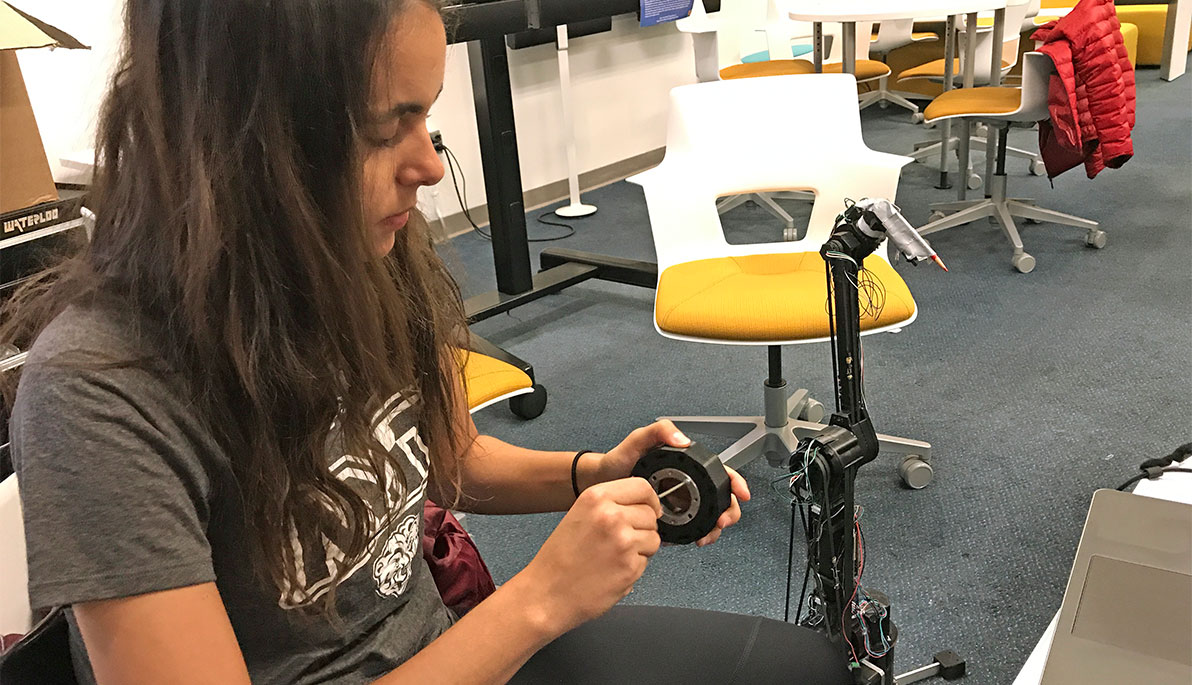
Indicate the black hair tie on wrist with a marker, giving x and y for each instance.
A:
(574, 467)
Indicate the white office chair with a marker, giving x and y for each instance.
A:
(1002, 107)
(744, 32)
(15, 616)
(769, 294)
(890, 36)
(1019, 13)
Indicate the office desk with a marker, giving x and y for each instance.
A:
(1172, 486)
(849, 12)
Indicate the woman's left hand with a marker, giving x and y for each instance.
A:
(619, 462)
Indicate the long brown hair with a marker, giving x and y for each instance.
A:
(228, 204)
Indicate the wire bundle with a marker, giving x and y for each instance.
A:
(871, 292)
(862, 602)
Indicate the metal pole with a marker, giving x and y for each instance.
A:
(574, 208)
(817, 46)
(946, 128)
(850, 47)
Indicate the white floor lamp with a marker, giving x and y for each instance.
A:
(575, 208)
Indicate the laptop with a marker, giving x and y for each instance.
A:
(1127, 610)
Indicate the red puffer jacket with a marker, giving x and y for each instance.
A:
(1091, 95)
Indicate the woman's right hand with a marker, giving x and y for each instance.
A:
(596, 554)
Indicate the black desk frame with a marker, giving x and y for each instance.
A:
(484, 26)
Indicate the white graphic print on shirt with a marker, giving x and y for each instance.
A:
(393, 554)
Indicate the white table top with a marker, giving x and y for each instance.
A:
(878, 10)
(1176, 487)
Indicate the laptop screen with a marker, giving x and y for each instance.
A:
(1138, 608)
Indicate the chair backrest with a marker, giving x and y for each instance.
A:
(15, 616)
(1037, 69)
(891, 35)
(740, 28)
(1016, 12)
(1032, 10)
(755, 135)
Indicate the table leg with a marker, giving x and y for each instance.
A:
(946, 128)
(1175, 39)
(817, 46)
(999, 38)
(850, 47)
(970, 49)
(493, 98)
(970, 71)
(995, 79)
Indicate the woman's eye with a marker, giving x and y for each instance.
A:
(387, 138)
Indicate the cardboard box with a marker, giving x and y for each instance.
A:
(25, 178)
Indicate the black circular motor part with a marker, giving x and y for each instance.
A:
(693, 486)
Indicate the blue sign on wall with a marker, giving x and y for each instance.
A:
(661, 11)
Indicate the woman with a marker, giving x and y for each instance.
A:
(242, 393)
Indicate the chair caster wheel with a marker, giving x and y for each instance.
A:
(883, 104)
(974, 181)
(1096, 238)
(789, 234)
(813, 411)
(1037, 167)
(1023, 262)
(915, 472)
(935, 216)
(530, 405)
(917, 117)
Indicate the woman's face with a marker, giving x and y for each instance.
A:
(398, 154)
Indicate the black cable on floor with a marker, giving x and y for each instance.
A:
(452, 163)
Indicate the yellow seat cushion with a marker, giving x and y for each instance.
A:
(974, 101)
(866, 69)
(935, 69)
(487, 379)
(764, 298)
(1130, 38)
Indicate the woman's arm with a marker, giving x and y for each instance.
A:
(602, 545)
(183, 636)
(499, 478)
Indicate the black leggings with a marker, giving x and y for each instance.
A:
(644, 644)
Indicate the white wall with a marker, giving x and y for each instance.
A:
(620, 81)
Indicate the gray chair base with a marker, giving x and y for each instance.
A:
(1003, 210)
(764, 200)
(789, 420)
(884, 95)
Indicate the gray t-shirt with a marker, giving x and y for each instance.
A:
(125, 492)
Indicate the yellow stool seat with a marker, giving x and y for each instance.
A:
(764, 298)
(1151, 21)
(488, 379)
(866, 69)
(973, 102)
(935, 69)
(1130, 38)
